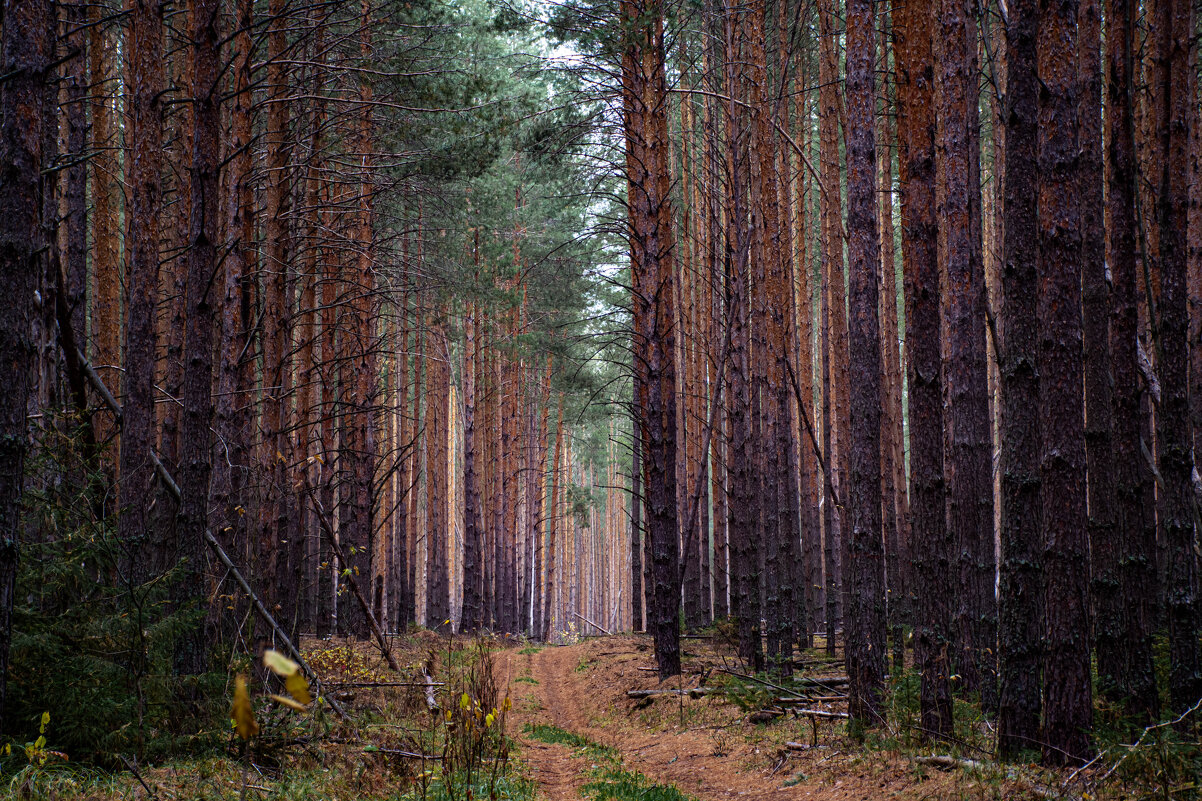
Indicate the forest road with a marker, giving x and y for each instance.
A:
(571, 688)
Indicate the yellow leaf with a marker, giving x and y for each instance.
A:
(298, 688)
(489, 719)
(279, 664)
(288, 702)
(465, 702)
(244, 716)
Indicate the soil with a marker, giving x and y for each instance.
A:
(704, 746)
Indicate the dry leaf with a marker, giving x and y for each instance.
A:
(279, 664)
(288, 702)
(244, 716)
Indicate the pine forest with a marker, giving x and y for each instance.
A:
(600, 399)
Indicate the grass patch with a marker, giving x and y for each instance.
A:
(530, 650)
(526, 680)
(624, 785)
(546, 733)
(505, 787)
(610, 781)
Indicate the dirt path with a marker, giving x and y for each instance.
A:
(702, 746)
(580, 702)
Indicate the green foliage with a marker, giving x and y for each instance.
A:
(93, 637)
(748, 696)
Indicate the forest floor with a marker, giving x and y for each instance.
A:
(705, 747)
(575, 735)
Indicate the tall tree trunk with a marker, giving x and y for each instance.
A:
(930, 544)
(27, 51)
(970, 468)
(864, 582)
(232, 412)
(272, 556)
(1106, 583)
(651, 241)
(893, 469)
(196, 451)
(438, 371)
(471, 617)
(835, 323)
(743, 487)
(1134, 520)
(1021, 596)
(1175, 27)
(1068, 702)
(106, 176)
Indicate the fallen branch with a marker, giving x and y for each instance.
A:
(809, 699)
(591, 623)
(408, 754)
(359, 684)
(431, 700)
(332, 540)
(821, 713)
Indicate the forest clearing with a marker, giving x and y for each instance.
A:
(656, 399)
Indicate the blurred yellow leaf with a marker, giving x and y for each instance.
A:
(244, 716)
(288, 702)
(298, 688)
(279, 664)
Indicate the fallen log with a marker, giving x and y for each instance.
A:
(946, 762)
(693, 692)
